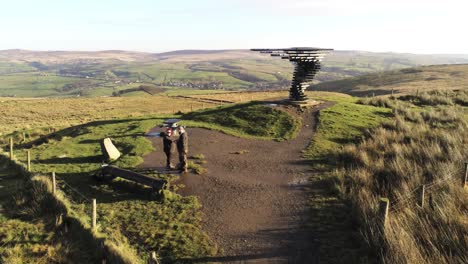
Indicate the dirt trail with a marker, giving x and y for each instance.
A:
(254, 204)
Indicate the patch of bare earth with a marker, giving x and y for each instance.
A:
(254, 203)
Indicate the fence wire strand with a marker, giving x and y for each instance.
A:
(73, 189)
(400, 202)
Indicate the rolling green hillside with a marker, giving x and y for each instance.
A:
(69, 73)
(412, 80)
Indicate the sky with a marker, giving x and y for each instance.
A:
(410, 26)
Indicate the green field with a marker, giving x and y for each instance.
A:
(413, 80)
(27, 233)
(91, 74)
(170, 227)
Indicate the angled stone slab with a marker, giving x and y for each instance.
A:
(109, 151)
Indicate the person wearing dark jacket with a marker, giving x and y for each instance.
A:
(182, 148)
(168, 146)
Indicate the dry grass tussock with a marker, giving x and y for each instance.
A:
(419, 146)
(29, 114)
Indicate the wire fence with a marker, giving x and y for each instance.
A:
(79, 200)
(82, 197)
(65, 187)
(400, 203)
(4, 188)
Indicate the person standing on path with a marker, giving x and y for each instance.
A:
(168, 146)
(182, 148)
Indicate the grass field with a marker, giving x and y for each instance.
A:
(36, 116)
(330, 218)
(104, 78)
(32, 114)
(342, 123)
(251, 119)
(170, 227)
(11, 67)
(28, 235)
(92, 74)
(415, 140)
(423, 144)
(420, 79)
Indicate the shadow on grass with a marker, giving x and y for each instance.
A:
(83, 186)
(36, 224)
(194, 115)
(98, 141)
(78, 130)
(77, 160)
(222, 109)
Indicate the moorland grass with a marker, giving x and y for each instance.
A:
(171, 227)
(18, 115)
(405, 81)
(330, 219)
(344, 122)
(74, 152)
(420, 145)
(27, 232)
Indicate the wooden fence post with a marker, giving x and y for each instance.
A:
(384, 205)
(24, 136)
(94, 215)
(153, 259)
(421, 195)
(11, 148)
(465, 178)
(54, 185)
(104, 251)
(191, 107)
(29, 161)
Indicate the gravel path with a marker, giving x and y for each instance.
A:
(254, 204)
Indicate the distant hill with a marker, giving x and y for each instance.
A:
(26, 73)
(21, 56)
(18, 55)
(342, 57)
(410, 80)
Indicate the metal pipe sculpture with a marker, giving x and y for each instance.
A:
(306, 64)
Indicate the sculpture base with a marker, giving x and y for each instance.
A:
(304, 103)
(298, 102)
